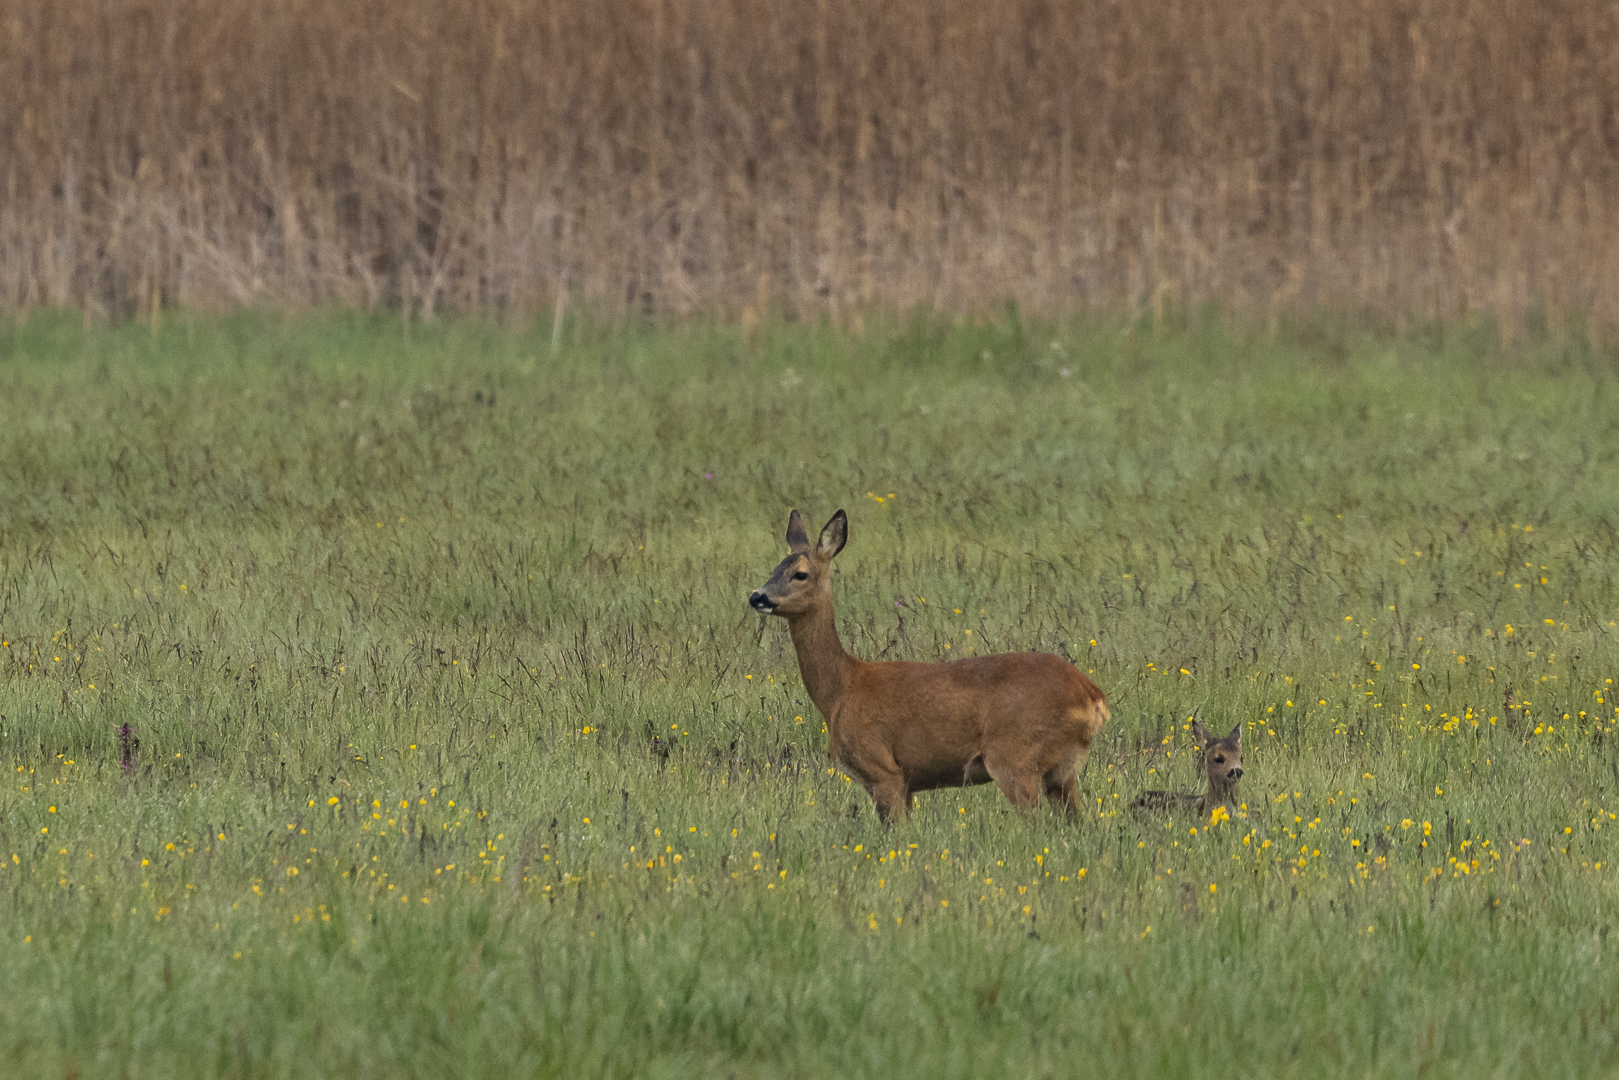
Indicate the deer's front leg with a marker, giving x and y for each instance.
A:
(893, 799)
(874, 766)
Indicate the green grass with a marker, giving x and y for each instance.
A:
(461, 755)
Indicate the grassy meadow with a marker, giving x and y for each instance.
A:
(453, 750)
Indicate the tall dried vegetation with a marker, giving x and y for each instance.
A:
(1402, 158)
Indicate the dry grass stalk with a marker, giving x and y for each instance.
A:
(1387, 156)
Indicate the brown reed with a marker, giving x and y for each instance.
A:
(1405, 159)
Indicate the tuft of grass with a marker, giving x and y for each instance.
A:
(459, 751)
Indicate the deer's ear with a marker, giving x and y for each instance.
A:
(833, 537)
(797, 536)
(1201, 732)
(1236, 734)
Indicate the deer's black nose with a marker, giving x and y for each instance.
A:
(758, 601)
(1235, 774)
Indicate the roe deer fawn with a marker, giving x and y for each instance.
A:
(1222, 764)
(1023, 720)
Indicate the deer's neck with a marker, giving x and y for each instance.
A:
(1219, 793)
(821, 659)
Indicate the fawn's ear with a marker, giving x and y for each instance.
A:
(833, 537)
(1201, 732)
(1236, 735)
(797, 536)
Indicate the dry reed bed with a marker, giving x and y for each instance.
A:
(1402, 158)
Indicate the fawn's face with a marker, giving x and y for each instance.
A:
(1222, 757)
(800, 580)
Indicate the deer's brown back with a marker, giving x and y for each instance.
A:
(935, 719)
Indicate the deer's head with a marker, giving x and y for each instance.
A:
(804, 576)
(1222, 757)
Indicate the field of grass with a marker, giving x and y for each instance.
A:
(453, 749)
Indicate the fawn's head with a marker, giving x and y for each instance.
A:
(1222, 757)
(799, 580)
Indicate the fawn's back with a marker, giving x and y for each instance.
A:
(1222, 768)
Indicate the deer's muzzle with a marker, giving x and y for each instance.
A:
(761, 603)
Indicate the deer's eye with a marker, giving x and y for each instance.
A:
(801, 576)
(1219, 759)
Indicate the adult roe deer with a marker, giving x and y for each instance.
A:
(1222, 767)
(1023, 720)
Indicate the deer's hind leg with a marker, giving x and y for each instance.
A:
(1062, 788)
(1019, 783)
